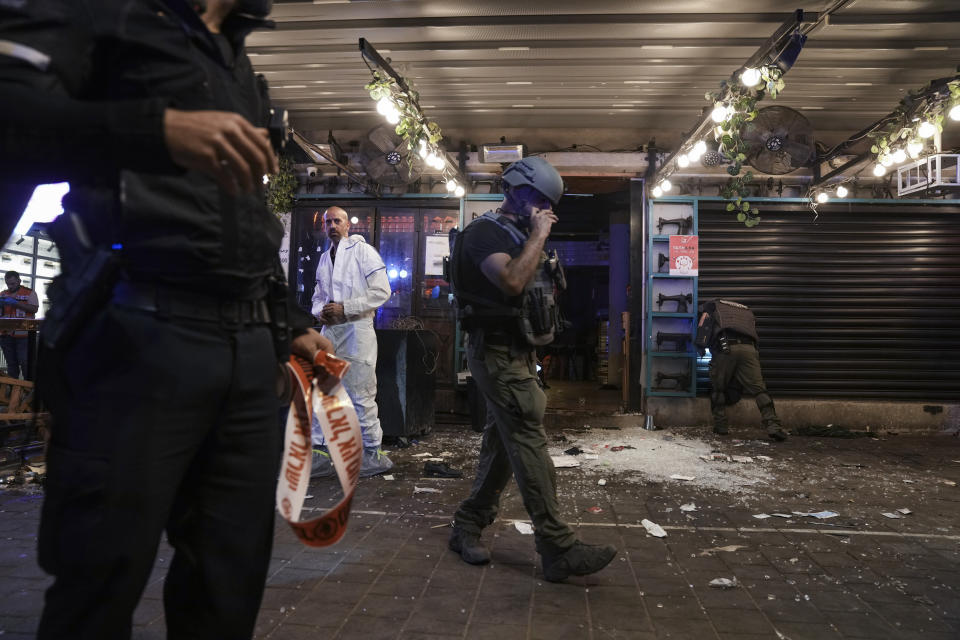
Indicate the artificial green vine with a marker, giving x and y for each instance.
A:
(741, 102)
(281, 188)
(918, 106)
(412, 125)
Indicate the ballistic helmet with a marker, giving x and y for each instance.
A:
(538, 173)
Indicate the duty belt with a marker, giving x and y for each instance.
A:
(174, 303)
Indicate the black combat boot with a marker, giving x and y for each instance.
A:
(775, 431)
(469, 547)
(579, 560)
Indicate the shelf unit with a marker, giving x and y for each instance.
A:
(667, 318)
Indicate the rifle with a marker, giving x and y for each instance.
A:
(682, 301)
(681, 339)
(683, 224)
(682, 381)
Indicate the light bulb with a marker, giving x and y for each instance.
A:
(403, 273)
(886, 160)
(459, 191)
(718, 132)
(451, 185)
(393, 274)
(750, 77)
(666, 185)
(719, 113)
(879, 170)
(955, 112)
(657, 192)
(822, 197)
(842, 191)
(393, 117)
(439, 163)
(899, 156)
(431, 158)
(683, 161)
(700, 147)
(354, 220)
(926, 129)
(385, 105)
(914, 148)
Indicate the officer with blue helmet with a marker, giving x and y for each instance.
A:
(496, 266)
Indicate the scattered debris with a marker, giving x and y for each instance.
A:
(743, 459)
(892, 516)
(524, 527)
(833, 431)
(591, 456)
(678, 476)
(820, 515)
(621, 447)
(573, 451)
(595, 510)
(441, 526)
(910, 481)
(905, 511)
(440, 470)
(653, 528)
(730, 548)
(690, 506)
(417, 489)
(388, 477)
(782, 515)
(715, 457)
(764, 458)
(761, 516)
(949, 483)
(564, 462)
(446, 454)
(723, 583)
(602, 482)
(855, 465)
(423, 455)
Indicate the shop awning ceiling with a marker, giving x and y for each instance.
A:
(638, 66)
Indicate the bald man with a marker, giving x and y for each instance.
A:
(351, 285)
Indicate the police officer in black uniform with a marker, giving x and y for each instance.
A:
(729, 330)
(161, 350)
(500, 255)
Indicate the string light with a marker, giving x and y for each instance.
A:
(683, 161)
(954, 113)
(899, 156)
(886, 160)
(657, 191)
(879, 170)
(750, 77)
(385, 106)
(926, 129)
(700, 147)
(914, 147)
(842, 191)
(451, 185)
(459, 191)
(719, 113)
(666, 185)
(822, 197)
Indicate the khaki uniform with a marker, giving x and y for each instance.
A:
(742, 365)
(514, 443)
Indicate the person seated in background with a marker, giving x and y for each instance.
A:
(18, 302)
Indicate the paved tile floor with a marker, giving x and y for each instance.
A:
(859, 575)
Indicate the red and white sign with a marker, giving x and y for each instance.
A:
(683, 255)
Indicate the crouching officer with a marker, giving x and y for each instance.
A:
(160, 352)
(505, 289)
(729, 330)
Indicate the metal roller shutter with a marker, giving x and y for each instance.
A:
(861, 302)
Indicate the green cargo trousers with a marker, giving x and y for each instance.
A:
(742, 364)
(514, 442)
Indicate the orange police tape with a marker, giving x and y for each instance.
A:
(317, 390)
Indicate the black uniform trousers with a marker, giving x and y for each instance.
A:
(159, 424)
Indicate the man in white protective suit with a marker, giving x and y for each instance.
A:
(351, 285)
